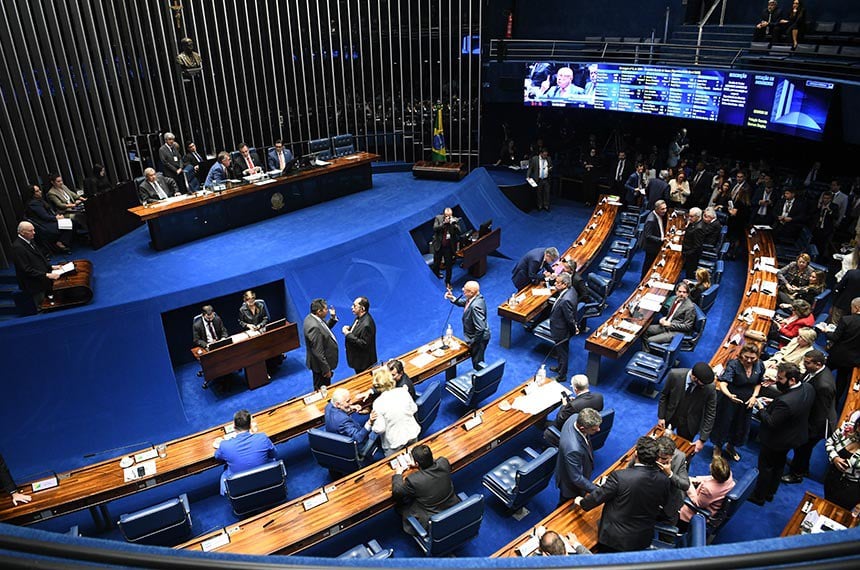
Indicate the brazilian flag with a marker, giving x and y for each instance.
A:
(439, 152)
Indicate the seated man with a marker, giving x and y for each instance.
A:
(248, 449)
(220, 171)
(156, 187)
(191, 166)
(279, 156)
(339, 419)
(35, 274)
(207, 328)
(425, 492)
(680, 319)
(553, 544)
(247, 163)
(534, 267)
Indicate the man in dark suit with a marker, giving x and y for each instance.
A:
(246, 450)
(534, 267)
(247, 163)
(694, 239)
(635, 185)
(711, 226)
(763, 200)
(657, 189)
(191, 165)
(279, 156)
(540, 168)
(790, 216)
(425, 492)
(770, 25)
(475, 328)
(680, 319)
(446, 241)
(583, 398)
(632, 500)
(35, 274)
(208, 327)
(652, 234)
(688, 402)
(156, 187)
(700, 186)
(562, 322)
(619, 172)
(361, 337)
(220, 171)
(575, 461)
(844, 343)
(784, 425)
(170, 156)
(824, 223)
(321, 352)
(7, 484)
(822, 417)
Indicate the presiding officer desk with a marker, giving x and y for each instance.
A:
(531, 299)
(182, 219)
(623, 329)
(570, 518)
(94, 485)
(290, 528)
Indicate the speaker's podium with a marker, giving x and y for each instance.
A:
(453, 171)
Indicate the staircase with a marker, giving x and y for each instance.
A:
(8, 289)
(727, 39)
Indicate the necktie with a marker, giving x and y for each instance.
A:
(211, 330)
(197, 156)
(696, 181)
(161, 194)
(620, 170)
(787, 208)
(281, 162)
(691, 388)
(762, 210)
(674, 306)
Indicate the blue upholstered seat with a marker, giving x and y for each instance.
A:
(320, 147)
(164, 524)
(428, 403)
(452, 527)
(709, 295)
(372, 550)
(338, 453)
(516, 480)
(257, 488)
(737, 496)
(343, 145)
(653, 367)
(666, 536)
(475, 385)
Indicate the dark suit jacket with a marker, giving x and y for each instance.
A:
(562, 318)
(651, 233)
(171, 158)
(657, 189)
(700, 192)
(424, 493)
(31, 266)
(260, 318)
(361, 344)
(785, 421)
(7, 484)
(847, 289)
(534, 168)
(845, 350)
(711, 232)
(588, 399)
(474, 319)
(627, 169)
(797, 212)
(633, 183)
(694, 237)
(440, 228)
(321, 352)
(274, 163)
(701, 411)
(238, 165)
(631, 498)
(44, 219)
(191, 160)
(529, 269)
(822, 416)
(575, 462)
(146, 192)
(200, 331)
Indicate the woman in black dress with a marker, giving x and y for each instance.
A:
(739, 385)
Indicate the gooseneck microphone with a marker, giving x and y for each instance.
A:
(448, 320)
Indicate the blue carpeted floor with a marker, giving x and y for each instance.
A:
(358, 245)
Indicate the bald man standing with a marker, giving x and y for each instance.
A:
(475, 328)
(35, 274)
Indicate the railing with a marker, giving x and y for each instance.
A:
(705, 21)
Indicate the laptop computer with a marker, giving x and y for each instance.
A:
(220, 343)
(280, 323)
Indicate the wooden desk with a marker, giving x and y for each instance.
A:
(824, 507)
(248, 352)
(570, 518)
(453, 171)
(735, 339)
(583, 250)
(96, 484)
(288, 528)
(173, 221)
(71, 289)
(474, 255)
(599, 345)
(108, 217)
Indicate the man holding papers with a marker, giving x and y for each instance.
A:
(156, 187)
(35, 275)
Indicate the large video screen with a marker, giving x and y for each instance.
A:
(787, 105)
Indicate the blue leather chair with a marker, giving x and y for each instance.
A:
(719, 269)
(615, 268)
(688, 340)
(164, 524)
(474, 386)
(820, 302)
(428, 403)
(625, 247)
(452, 527)
(516, 480)
(709, 295)
(74, 530)
(653, 367)
(666, 536)
(320, 147)
(711, 264)
(737, 496)
(372, 551)
(343, 145)
(257, 488)
(338, 453)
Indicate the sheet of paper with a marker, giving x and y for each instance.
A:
(66, 268)
(531, 182)
(650, 306)
(215, 542)
(768, 288)
(675, 247)
(541, 292)
(654, 297)
(661, 285)
(769, 313)
(540, 398)
(630, 327)
(64, 224)
(421, 360)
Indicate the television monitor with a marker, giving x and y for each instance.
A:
(220, 343)
(274, 325)
(485, 228)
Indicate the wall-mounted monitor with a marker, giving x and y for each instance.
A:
(788, 105)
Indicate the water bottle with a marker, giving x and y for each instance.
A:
(669, 431)
(512, 302)
(540, 377)
(449, 334)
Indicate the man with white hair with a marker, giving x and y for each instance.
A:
(156, 187)
(35, 274)
(582, 398)
(339, 417)
(694, 236)
(476, 330)
(170, 156)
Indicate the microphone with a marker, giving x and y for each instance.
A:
(448, 321)
(548, 352)
(138, 444)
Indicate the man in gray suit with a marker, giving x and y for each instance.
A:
(320, 343)
(679, 320)
(426, 492)
(575, 461)
(475, 328)
(156, 187)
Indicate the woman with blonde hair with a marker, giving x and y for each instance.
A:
(393, 415)
(792, 352)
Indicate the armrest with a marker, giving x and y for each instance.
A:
(462, 496)
(416, 526)
(698, 510)
(664, 528)
(555, 431)
(531, 453)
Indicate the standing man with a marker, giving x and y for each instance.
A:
(35, 274)
(694, 239)
(657, 189)
(279, 156)
(632, 498)
(321, 352)
(689, 403)
(446, 240)
(784, 425)
(475, 328)
(635, 186)
(220, 171)
(170, 156)
(562, 322)
(191, 166)
(540, 168)
(700, 186)
(248, 449)
(822, 416)
(575, 462)
(156, 187)
(619, 172)
(680, 319)
(673, 463)
(360, 337)
(534, 267)
(425, 492)
(654, 231)
(790, 216)
(844, 344)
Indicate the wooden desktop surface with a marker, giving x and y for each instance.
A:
(71, 289)
(824, 507)
(288, 528)
(570, 518)
(157, 209)
(101, 482)
(669, 272)
(597, 231)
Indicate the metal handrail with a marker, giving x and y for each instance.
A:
(705, 21)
